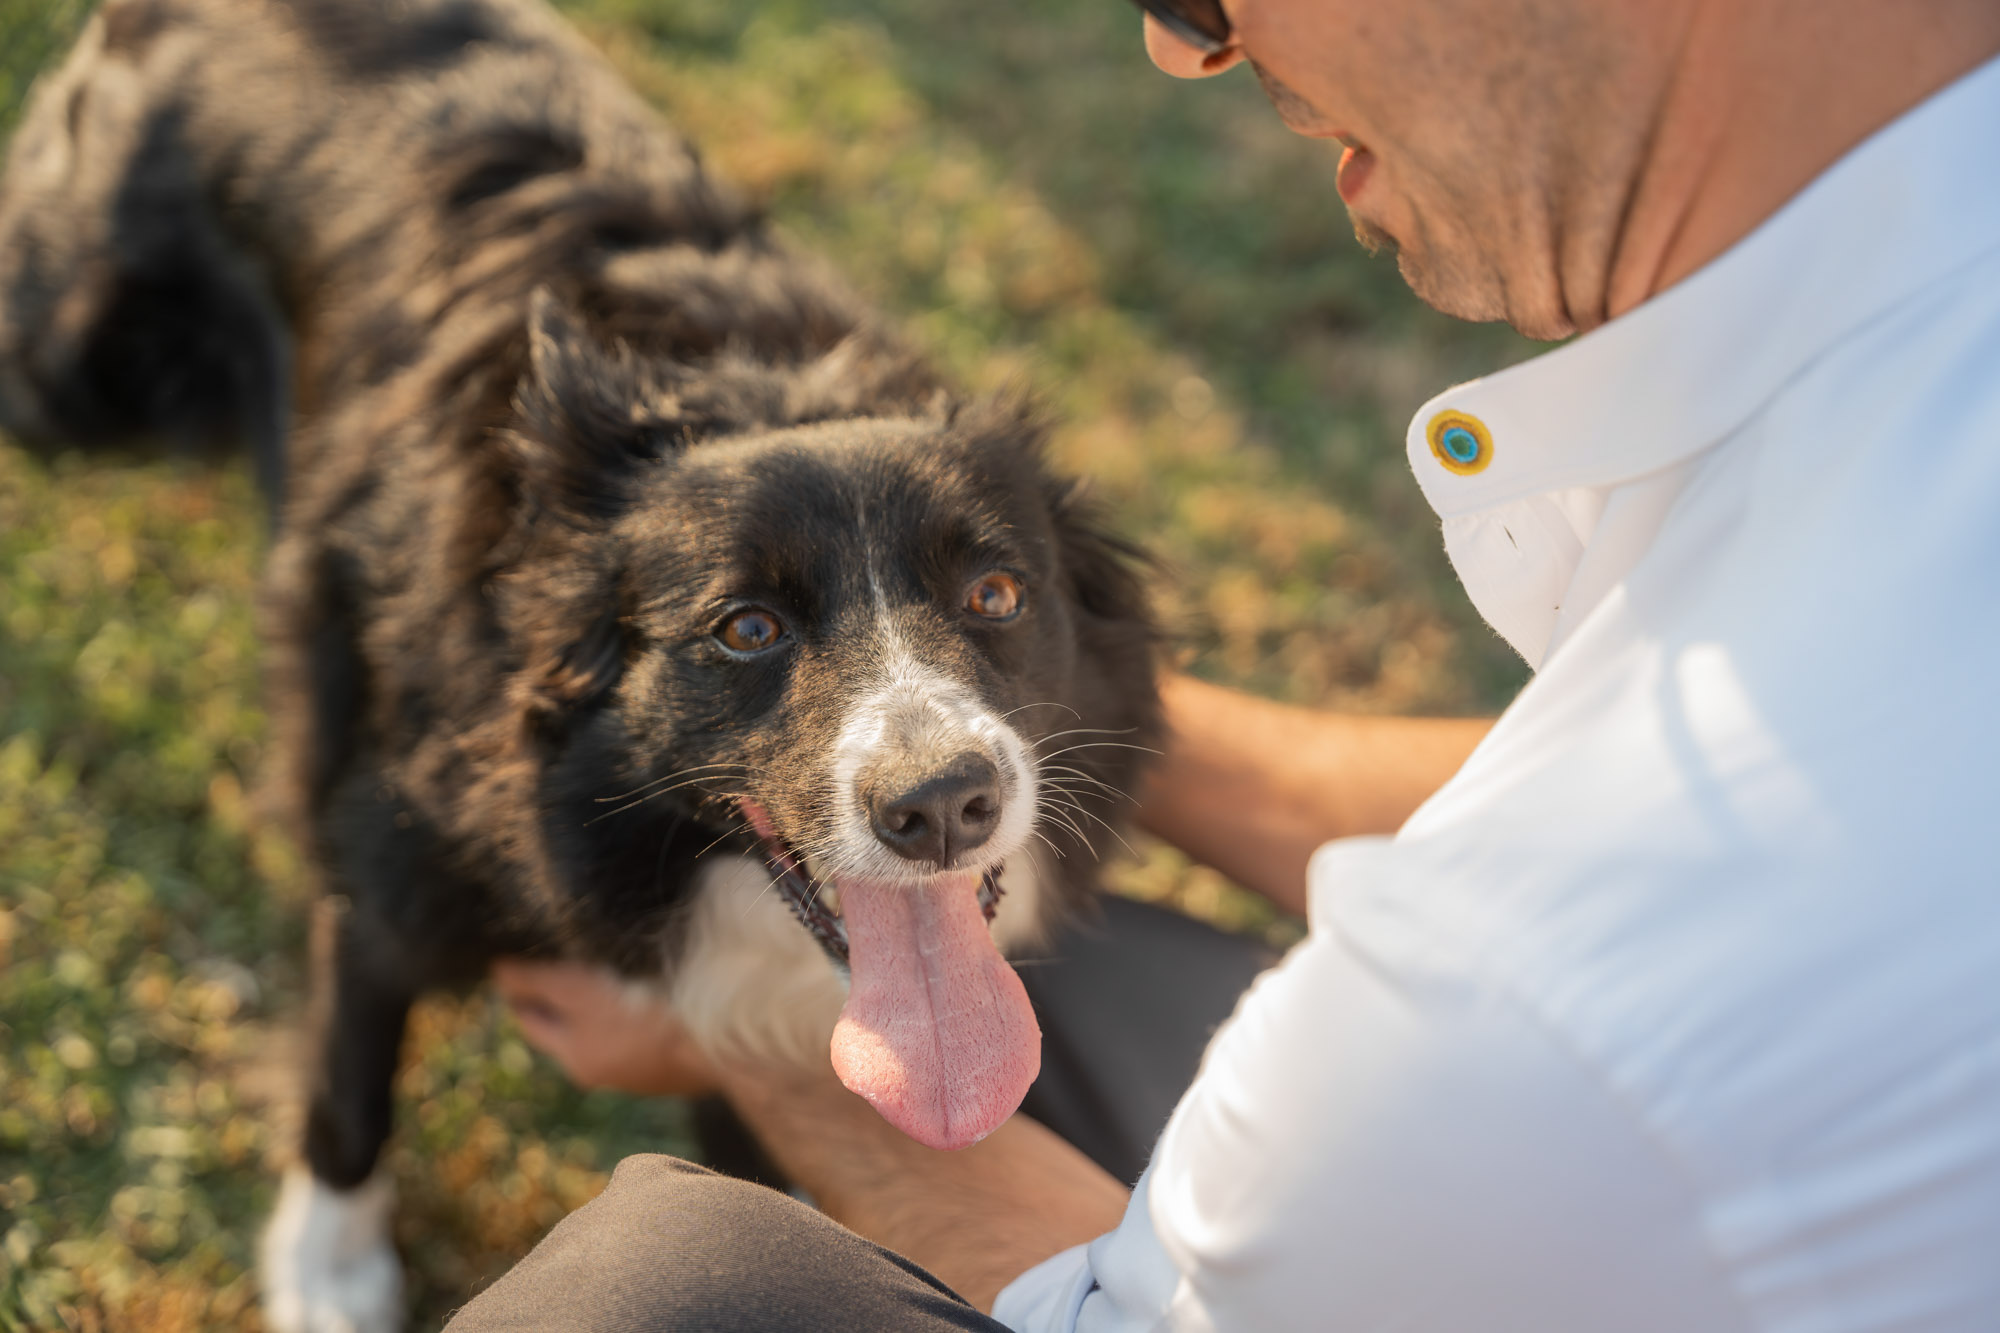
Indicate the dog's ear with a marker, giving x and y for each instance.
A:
(1104, 569)
(571, 668)
(589, 416)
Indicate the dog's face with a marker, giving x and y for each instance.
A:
(864, 634)
(862, 614)
(893, 650)
(893, 657)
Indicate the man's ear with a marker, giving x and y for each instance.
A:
(589, 416)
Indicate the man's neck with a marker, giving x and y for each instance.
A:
(1767, 95)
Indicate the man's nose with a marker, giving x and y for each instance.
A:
(940, 817)
(1177, 58)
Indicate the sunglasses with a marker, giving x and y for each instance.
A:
(1199, 23)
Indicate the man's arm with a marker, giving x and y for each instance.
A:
(1247, 786)
(977, 1218)
(1252, 787)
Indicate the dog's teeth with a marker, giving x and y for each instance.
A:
(829, 896)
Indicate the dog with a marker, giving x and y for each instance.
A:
(634, 595)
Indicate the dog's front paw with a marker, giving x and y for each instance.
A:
(326, 1262)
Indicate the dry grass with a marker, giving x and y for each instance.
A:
(1166, 267)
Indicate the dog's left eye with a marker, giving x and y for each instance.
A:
(750, 631)
(997, 596)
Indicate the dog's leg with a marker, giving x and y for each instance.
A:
(326, 1262)
(327, 1259)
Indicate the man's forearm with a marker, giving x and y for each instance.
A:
(1247, 786)
(977, 1218)
(1251, 787)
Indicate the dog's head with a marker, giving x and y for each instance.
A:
(893, 652)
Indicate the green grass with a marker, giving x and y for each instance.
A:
(1160, 261)
(32, 33)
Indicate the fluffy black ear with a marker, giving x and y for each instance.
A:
(1104, 569)
(589, 415)
(1105, 572)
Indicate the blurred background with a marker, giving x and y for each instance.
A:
(1162, 262)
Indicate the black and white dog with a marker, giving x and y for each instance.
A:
(635, 597)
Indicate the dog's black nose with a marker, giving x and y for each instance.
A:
(943, 816)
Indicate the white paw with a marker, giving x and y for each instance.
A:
(326, 1264)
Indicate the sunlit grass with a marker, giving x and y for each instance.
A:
(1162, 264)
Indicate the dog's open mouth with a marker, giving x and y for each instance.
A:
(937, 1032)
(816, 902)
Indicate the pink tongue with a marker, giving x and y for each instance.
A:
(937, 1033)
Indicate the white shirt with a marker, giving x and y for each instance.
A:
(1679, 1007)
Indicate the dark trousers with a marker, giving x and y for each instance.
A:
(1126, 1004)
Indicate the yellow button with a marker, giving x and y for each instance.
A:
(1461, 442)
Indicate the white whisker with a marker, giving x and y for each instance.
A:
(1108, 827)
(667, 777)
(1084, 731)
(1047, 703)
(1099, 745)
(651, 796)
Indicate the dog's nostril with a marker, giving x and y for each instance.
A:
(943, 815)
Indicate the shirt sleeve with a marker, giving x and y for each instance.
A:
(1380, 1139)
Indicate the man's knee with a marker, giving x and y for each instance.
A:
(671, 1245)
(663, 1239)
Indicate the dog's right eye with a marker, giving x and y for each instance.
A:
(750, 631)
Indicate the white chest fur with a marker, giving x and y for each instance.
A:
(751, 982)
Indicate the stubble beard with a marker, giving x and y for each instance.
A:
(1454, 279)
(1443, 286)
(1375, 240)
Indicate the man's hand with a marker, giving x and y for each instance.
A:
(977, 1218)
(601, 1032)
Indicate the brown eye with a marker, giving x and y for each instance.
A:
(995, 597)
(750, 631)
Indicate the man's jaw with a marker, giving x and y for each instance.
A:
(1301, 117)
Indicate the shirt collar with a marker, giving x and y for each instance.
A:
(1909, 206)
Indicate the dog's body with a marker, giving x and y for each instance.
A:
(622, 560)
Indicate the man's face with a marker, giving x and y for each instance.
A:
(1491, 143)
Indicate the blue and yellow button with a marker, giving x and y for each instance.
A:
(1461, 442)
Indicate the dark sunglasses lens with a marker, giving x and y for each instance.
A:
(1199, 23)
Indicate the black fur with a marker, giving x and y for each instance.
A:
(540, 402)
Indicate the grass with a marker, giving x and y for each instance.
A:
(1161, 262)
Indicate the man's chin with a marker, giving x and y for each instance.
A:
(1459, 290)
(1375, 240)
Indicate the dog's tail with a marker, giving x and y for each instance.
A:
(127, 316)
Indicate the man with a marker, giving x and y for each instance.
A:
(1674, 1007)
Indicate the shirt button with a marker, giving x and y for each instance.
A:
(1461, 442)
